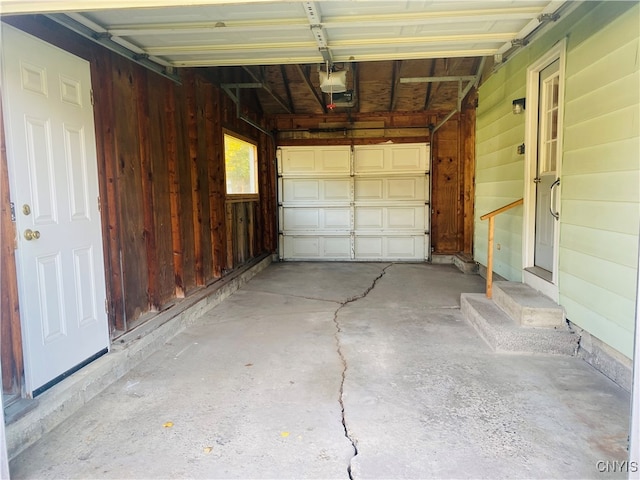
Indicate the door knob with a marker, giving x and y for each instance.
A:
(31, 234)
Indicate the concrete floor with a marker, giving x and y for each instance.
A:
(311, 363)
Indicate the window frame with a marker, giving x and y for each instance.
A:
(256, 163)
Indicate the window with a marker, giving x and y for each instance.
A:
(241, 166)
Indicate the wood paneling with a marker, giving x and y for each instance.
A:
(10, 330)
(453, 178)
(217, 185)
(133, 243)
(161, 169)
(157, 177)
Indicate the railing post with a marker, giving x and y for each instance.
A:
(490, 216)
(490, 259)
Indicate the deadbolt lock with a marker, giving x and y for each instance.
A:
(26, 209)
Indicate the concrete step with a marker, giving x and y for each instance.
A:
(465, 263)
(504, 335)
(527, 306)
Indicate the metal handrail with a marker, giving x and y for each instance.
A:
(491, 217)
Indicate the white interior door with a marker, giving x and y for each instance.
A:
(54, 187)
(547, 181)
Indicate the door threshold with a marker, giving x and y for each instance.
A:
(541, 280)
(541, 272)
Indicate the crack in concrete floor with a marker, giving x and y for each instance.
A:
(345, 366)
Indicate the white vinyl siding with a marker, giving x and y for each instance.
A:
(600, 200)
(601, 182)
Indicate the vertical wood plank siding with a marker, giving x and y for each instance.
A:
(10, 329)
(161, 167)
(600, 194)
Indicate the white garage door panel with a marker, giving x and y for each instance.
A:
(316, 247)
(389, 247)
(391, 189)
(384, 218)
(311, 160)
(325, 190)
(369, 205)
(390, 159)
(317, 219)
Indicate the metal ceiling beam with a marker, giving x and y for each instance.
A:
(288, 60)
(353, 45)
(50, 6)
(551, 8)
(353, 21)
(142, 59)
(315, 21)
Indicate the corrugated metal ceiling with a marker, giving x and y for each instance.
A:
(397, 47)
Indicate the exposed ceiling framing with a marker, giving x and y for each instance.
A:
(402, 55)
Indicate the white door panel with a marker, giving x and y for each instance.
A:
(316, 247)
(392, 189)
(54, 186)
(390, 218)
(325, 190)
(311, 160)
(319, 219)
(389, 247)
(390, 159)
(378, 213)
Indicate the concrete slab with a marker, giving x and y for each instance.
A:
(284, 378)
(527, 306)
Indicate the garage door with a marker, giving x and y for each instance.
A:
(364, 203)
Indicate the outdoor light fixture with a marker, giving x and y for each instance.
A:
(518, 106)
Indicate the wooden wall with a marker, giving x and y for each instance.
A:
(453, 179)
(453, 151)
(167, 230)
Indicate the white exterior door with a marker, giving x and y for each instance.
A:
(54, 187)
(547, 165)
(543, 165)
(366, 203)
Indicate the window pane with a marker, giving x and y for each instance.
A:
(240, 166)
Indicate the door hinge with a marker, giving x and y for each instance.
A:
(106, 306)
(99, 205)
(537, 180)
(91, 95)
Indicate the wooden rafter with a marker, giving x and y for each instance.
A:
(430, 86)
(307, 81)
(259, 78)
(285, 81)
(394, 84)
